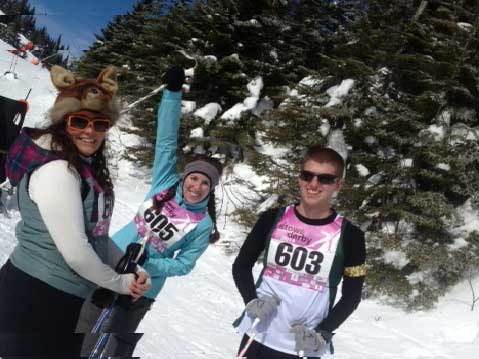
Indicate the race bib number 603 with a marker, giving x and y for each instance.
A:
(295, 265)
(298, 258)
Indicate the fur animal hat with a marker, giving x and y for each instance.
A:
(85, 94)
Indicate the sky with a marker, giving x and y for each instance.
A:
(78, 20)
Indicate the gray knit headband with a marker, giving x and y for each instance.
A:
(205, 168)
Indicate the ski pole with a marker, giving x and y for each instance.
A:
(16, 119)
(4, 184)
(126, 264)
(133, 104)
(189, 73)
(251, 338)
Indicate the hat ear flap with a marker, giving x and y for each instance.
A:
(107, 79)
(61, 78)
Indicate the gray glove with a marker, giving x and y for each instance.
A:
(308, 340)
(262, 308)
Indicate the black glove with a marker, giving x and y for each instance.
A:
(174, 78)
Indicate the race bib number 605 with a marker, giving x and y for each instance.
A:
(159, 224)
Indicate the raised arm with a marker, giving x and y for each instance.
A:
(169, 112)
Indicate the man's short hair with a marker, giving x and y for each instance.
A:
(321, 154)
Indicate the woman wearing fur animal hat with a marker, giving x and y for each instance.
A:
(176, 222)
(65, 198)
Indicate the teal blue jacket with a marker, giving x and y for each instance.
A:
(165, 175)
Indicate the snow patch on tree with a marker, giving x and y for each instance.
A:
(437, 131)
(208, 112)
(310, 81)
(187, 107)
(338, 92)
(458, 243)
(396, 258)
(362, 170)
(197, 133)
(443, 166)
(469, 217)
(254, 87)
(444, 117)
(405, 163)
(268, 149)
(357, 122)
(211, 58)
(325, 127)
(465, 26)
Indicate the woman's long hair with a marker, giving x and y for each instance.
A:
(62, 143)
(158, 203)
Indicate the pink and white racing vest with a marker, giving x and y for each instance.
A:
(167, 227)
(299, 259)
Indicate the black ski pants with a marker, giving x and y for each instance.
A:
(260, 351)
(36, 320)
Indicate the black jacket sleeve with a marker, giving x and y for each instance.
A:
(249, 253)
(354, 259)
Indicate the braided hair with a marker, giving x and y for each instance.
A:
(215, 234)
(159, 203)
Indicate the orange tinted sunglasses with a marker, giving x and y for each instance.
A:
(79, 122)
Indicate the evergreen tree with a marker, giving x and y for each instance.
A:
(410, 120)
(410, 114)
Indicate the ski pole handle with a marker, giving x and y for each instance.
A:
(255, 323)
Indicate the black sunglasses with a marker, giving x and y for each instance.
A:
(323, 178)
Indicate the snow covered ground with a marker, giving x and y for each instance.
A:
(193, 314)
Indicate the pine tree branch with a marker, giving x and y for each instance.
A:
(420, 10)
(456, 8)
(474, 299)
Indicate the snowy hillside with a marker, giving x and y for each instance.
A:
(29, 77)
(193, 314)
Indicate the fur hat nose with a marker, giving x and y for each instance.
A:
(77, 94)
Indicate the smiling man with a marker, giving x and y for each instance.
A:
(308, 248)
